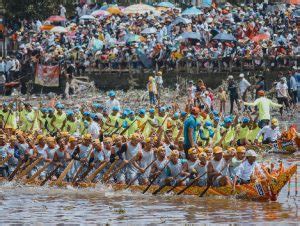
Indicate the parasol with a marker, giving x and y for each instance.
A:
(260, 37)
(100, 13)
(192, 11)
(151, 30)
(56, 18)
(59, 29)
(166, 5)
(139, 9)
(224, 37)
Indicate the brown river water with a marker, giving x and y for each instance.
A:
(25, 204)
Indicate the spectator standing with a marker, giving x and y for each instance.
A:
(244, 85)
(159, 82)
(233, 93)
(112, 102)
(151, 87)
(282, 94)
(293, 88)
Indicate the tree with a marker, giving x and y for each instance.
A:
(33, 9)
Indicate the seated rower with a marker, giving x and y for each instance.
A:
(3, 154)
(176, 169)
(158, 166)
(237, 159)
(13, 161)
(61, 156)
(147, 156)
(216, 167)
(201, 169)
(245, 171)
(270, 133)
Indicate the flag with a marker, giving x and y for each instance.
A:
(47, 75)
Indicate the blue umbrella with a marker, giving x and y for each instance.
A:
(191, 11)
(206, 3)
(179, 20)
(166, 4)
(132, 38)
(296, 13)
(191, 35)
(149, 30)
(224, 37)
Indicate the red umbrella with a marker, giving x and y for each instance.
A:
(56, 18)
(260, 37)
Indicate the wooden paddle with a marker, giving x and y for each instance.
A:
(29, 180)
(78, 172)
(210, 184)
(124, 131)
(91, 177)
(64, 173)
(29, 168)
(191, 183)
(81, 178)
(165, 184)
(106, 174)
(178, 183)
(139, 175)
(154, 179)
(12, 175)
(3, 161)
(123, 164)
(49, 176)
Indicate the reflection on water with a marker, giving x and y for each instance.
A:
(25, 204)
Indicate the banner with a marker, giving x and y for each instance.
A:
(47, 75)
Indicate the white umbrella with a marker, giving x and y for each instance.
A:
(149, 30)
(87, 17)
(140, 9)
(59, 29)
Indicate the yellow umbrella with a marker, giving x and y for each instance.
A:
(114, 10)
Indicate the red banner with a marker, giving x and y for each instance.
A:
(47, 75)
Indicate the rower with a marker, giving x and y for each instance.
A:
(59, 118)
(209, 152)
(3, 154)
(201, 169)
(242, 132)
(237, 159)
(147, 156)
(206, 133)
(130, 150)
(50, 129)
(245, 172)
(82, 152)
(42, 119)
(215, 168)
(50, 151)
(159, 165)
(192, 159)
(13, 161)
(61, 156)
(112, 121)
(132, 124)
(142, 120)
(151, 124)
(176, 169)
(270, 133)
(70, 124)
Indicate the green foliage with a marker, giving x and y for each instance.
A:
(33, 9)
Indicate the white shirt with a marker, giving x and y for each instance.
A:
(293, 83)
(94, 130)
(243, 85)
(268, 132)
(281, 89)
(245, 170)
(112, 103)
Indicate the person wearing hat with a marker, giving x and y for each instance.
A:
(151, 87)
(176, 169)
(9, 115)
(3, 154)
(151, 124)
(264, 105)
(42, 118)
(132, 124)
(94, 127)
(58, 118)
(128, 151)
(31, 122)
(61, 156)
(192, 159)
(159, 165)
(112, 120)
(238, 159)
(242, 131)
(189, 130)
(206, 133)
(216, 167)
(201, 169)
(112, 102)
(146, 157)
(270, 133)
(260, 85)
(245, 171)
(282, 94)
(142, 120)
(70, 125)
(11, 149)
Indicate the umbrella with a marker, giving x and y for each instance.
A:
(132, 38)
(191, 35)
(224, 37)
(151, 30)
(87, 17)
(260, 37)
(59, 29)
(166, 5)
(105, 7)
(100, 13)
(56, 19)
(179, 20)
(140, 9)
(192, 11)
(114, 10)
(206, 3)
(296, 13)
